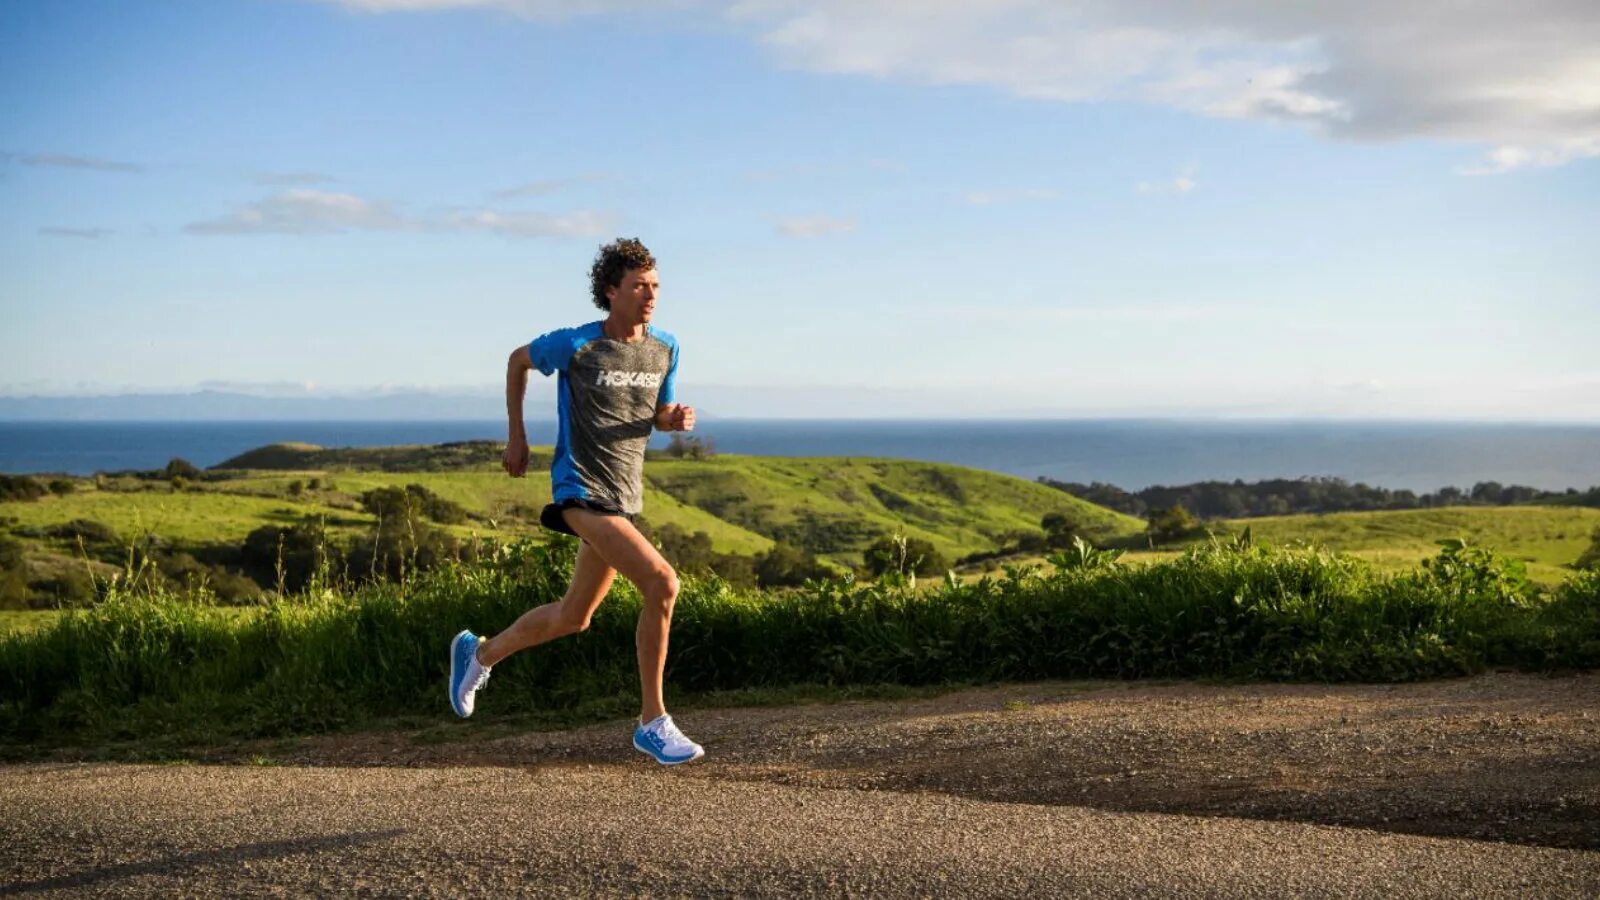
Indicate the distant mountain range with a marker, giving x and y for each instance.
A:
(226, 405)
(753, 401)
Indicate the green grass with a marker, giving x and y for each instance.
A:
(158, 666)
(190, 517)
(1547, 538)
(22, 620)
(848, 502)
(743, 503)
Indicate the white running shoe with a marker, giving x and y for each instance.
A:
(466, 673)
(661, 738)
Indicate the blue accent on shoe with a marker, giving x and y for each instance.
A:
(461, 653)
(647, 741)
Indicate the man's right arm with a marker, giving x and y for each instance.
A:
(515, 460)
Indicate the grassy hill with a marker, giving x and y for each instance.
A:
(833, 506)
(1548, 539)
(836, 507)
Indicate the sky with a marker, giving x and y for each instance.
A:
(873, 208)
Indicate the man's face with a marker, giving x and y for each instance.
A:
(635, 298)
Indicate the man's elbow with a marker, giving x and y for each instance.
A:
(519, 360)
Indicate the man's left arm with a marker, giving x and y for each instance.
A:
(670, 414)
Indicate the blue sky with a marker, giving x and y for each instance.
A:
(871, 208)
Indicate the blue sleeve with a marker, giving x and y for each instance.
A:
(552, 351)
(669, 384)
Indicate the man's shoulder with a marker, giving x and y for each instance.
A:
(664, 336)
(576, 336)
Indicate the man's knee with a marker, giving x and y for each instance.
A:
(661, 586)
(572, 624)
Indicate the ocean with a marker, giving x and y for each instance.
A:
(1132, 454)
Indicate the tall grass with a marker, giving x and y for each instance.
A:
(145, 663)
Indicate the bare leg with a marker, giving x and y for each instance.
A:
(626, 550)
(591, 578)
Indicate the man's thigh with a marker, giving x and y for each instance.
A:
(591, 578)
(619, 543)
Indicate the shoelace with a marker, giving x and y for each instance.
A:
(669, 732)
(483, 677)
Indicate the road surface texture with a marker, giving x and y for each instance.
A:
(1479, 787)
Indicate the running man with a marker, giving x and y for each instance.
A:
(616, 383)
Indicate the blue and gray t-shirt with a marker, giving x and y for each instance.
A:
(607, 397)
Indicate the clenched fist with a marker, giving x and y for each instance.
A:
(677, 417)
(515, 459)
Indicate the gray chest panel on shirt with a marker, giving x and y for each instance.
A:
(613, 389)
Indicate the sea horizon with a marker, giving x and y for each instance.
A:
(1132, 453)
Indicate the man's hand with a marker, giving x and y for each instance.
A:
(515, 459)
(676, 417)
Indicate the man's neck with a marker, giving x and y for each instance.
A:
(622, 330)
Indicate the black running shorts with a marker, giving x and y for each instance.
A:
(551, 517)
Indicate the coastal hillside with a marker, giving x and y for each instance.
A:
(233, 520)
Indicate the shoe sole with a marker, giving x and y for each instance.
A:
(668, 762)
(450, 686)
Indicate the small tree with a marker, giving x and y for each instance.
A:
(786, 565)
(690, 447)
(1059, 530)
(13, 574)
(1171, 523)
(1591, 557)
(909, 555)
(179, 467)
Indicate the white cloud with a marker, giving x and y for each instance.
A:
(1178, 184)
(991, 198)
(814, 226)
(304, 211)
(290, 179)
(260, 388)
(582, 223)
(64, 161)
(1507, 158)
(1522, 79)
(1120, 313)
(88, 233)
(531, 9)
(546, 186)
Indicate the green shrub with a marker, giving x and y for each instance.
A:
(910, 556)
(179, 467)
(1172, 523)
(410, 503)
(90, 531)
(290, 557)
(785, 565)
(148, 661)
(20, 487)
(1590, 559)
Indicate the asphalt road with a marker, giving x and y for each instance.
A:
(1480, 787)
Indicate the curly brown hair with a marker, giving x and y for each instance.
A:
(612, 262)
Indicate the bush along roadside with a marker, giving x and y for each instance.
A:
(151, 663)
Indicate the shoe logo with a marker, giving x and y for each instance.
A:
(628, 379)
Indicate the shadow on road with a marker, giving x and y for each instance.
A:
(226, 856)
(1498, 757)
